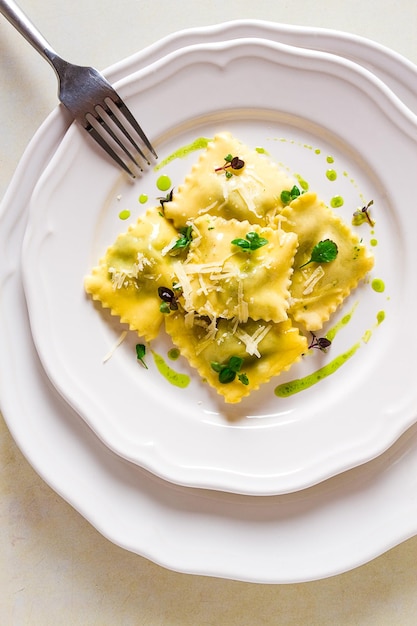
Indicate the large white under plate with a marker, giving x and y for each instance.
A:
(328, 529)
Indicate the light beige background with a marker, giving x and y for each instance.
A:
(55, 569)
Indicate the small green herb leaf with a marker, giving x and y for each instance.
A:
(140, 354)
(288, 196)
(226, 375)
(252, 242)
(323, 252)
(183, 240)
(227, 371)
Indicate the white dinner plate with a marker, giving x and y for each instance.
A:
(321, 117)
(319, 532)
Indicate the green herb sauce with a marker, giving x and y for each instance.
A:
(124, 215)
(332, 332)
(374, 242)
(380, 316)
(198, 144)
(163, 183)
(336, 202)
(378, 285)
(303, 183)
(330, 159)
(260, 150)
(331, 174)
(294, 386)
(175, 378)
(143, 198)
(173, 354)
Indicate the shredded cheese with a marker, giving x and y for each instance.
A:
(252, 341)
(312, 280)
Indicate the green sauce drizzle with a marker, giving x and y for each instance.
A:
(294, 386)
(332, 332)
(303, 183)
(173, 354)
(336, 202)
(124, 214)
(331, 174)
(198, 144)
(330, 159)
(143, 198)
(163, 183)
(175, 378)
(260, 150)
(378, 285)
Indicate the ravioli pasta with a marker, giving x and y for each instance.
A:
(222, 267)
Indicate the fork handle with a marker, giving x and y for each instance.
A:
(22, 23)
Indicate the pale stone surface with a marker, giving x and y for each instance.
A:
(55, 568)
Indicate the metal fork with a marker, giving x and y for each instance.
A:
(91, 100)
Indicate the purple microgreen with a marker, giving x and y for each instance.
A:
(232, 162)
(167, 198)
(169, 301)
(362, 215)
(320, 343)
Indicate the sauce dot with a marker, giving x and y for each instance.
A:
(143, 198)
(317, 151)
(374, 242)
(331, 174)
(336, 201)
(123, 215)
(163, 183)
(173, 354)
(380, 316)
(330, 159)
(378, 285)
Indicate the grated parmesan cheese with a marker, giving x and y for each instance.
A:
(252, 341)
(312, 280)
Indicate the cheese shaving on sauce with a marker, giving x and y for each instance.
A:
(252, 341)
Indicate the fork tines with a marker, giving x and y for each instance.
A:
(116, 130)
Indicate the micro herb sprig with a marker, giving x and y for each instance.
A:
(228, 371)
(169, 301)
(183, 240)
(167, 198)
(362, 215)
(253, 241)
(320, 343)
(323, 252)
(288, 196)
(140, 354)
(233, 162)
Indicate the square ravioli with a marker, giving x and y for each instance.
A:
(127, 278)
(250, 192)
(317, 289)
(260, 349)
(237, 270)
